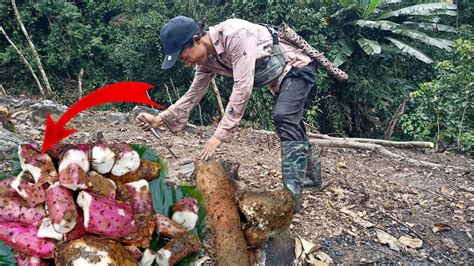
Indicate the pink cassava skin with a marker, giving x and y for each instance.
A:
(25, 260)
(186, 204)
(24, 237)
(32, 193)
(5, 187)
(13, 210)
(136, 253)
(61, 208)
(40, 166)
(73, 177)
(79, 230)
(141, 196)
(105, 217)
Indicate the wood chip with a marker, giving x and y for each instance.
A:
(410, 242)
(386, 238)
(440, 227)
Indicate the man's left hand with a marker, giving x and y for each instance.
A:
(210, 148)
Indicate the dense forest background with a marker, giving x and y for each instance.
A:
(409, 62)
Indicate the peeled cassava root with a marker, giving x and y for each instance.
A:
(222, 213)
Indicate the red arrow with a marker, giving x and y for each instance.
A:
(119, 92)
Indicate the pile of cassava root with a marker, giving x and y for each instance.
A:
(90, 205)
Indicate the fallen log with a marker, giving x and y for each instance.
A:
(387, 143)
(335, 143)
(222, 213)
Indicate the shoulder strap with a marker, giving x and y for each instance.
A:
(273, 33)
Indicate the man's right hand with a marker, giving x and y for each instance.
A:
(146, 121)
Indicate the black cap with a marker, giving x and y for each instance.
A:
(174, 35)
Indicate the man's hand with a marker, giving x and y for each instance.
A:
(146, 121)
(210, 148)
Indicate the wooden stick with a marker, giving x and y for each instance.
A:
(49, 92)
(169, 95)
(200, 113)
(222, 213)
(38, 83)
(218, 96)
(3, 90)
(79, 83)
(174, 88)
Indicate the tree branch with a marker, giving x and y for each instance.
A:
(38, 83)
(393, 122)
(49, 92)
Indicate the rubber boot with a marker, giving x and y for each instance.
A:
(294, 157)
(313, 179)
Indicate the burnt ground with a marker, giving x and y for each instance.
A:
(364, 192)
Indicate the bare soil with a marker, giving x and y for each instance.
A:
(393, 196)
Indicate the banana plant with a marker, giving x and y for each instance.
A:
(372, 25)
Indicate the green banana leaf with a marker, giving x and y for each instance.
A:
(163, 197)
(405, 48)
(429, 26)
(370, 7)
(400, 30)
(370, 47)
(422, 10)
(7, 257)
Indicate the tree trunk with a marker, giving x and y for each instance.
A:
(38, 83)
(218, 96)
(49, 92)
(79, 83)
(394, 121)
(222, 213)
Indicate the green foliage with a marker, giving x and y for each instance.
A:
(443, 109)
(360, 19)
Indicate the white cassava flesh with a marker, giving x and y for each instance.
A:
(127, 160)
(46, 230)
(187, 219)
(163, 256)
(84, 201)
(103, 158)
(148, 258)
(77, 156)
